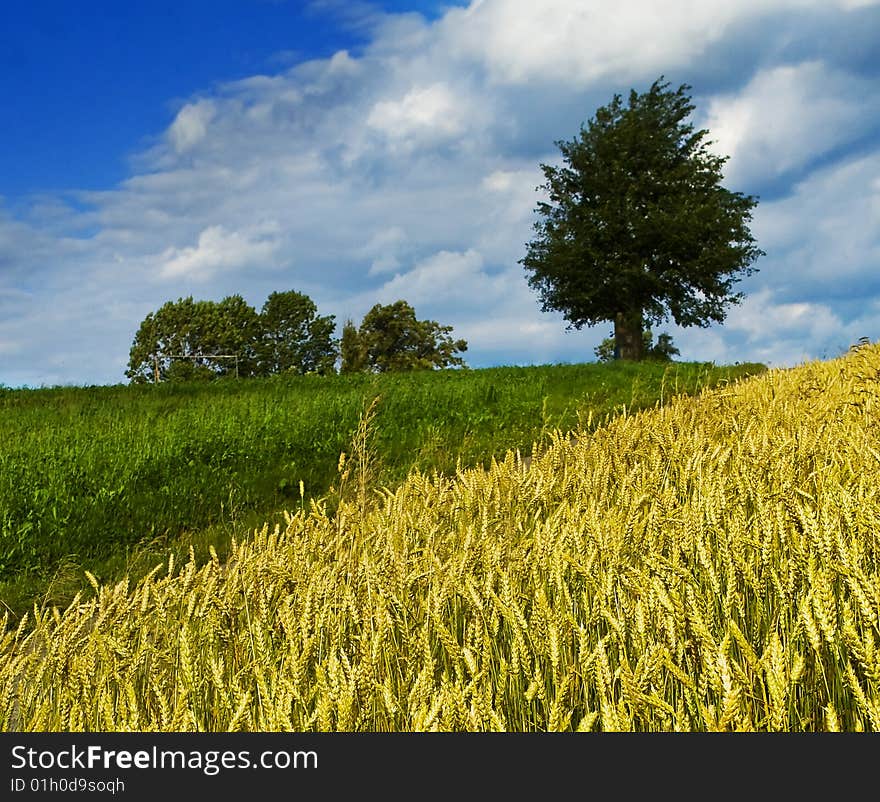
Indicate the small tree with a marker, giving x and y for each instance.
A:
(638, 226)
(188, 370)
(351, 351)
(235, 329)
(663, 350)
(295, 339)
(390, 338)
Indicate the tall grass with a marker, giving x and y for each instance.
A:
(713, 564)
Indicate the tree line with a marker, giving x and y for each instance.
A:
(188, 340)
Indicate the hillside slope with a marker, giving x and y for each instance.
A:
(712, 564)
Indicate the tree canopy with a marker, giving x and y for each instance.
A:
(187, 340)
(295, 338)
(390, 338)
(637, 226)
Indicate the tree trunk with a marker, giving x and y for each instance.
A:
(628, 341)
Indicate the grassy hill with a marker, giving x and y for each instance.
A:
(712, 564)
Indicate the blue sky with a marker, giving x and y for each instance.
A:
(363, 152)
(93, 82)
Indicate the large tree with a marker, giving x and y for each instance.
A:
(296, 339)
(390, 338)
(637, 226)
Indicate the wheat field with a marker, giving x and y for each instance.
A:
(709, 565)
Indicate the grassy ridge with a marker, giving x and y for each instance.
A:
(88, 473)
(710, 565)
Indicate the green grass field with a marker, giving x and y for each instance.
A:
(112, 479)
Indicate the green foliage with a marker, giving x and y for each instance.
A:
(186, 370)
(637, 226)
(233, 328)
(663, 350)
(187, 340)
(170, 342)
(390, 338)
(295, 338)
(351, 350)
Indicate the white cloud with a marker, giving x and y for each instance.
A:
(424, 113)
(191, 125)
(825, 236)
(342, 63)
(766, 321)
(522, 41)
(383, 250)
(444, 276)
(788, 115)
(541, 339)
(499, 181)
(218, 250)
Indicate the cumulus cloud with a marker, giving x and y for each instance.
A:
(500, 181)
(763, 320)
(383, 250)
(788, 116)
(765, 328)
(430, 110)
(443, 277)
(545, 339)
(520, 41)
(191, 125)
(823, 240)
(217, 250)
